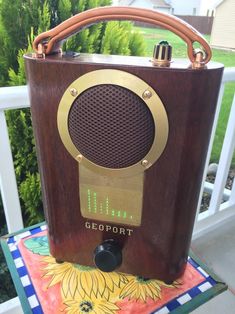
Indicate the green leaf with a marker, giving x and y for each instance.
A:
(38, 245)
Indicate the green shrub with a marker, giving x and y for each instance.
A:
(7, 290)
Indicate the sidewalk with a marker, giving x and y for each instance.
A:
(217, 250)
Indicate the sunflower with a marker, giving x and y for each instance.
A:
(86, 281)
(89, 306)
(139, 288)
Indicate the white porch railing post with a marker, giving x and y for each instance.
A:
(10, 98)
(9, 191)
(12, 306)
(218, 213)
(216, 118)
(232, 196)
(224, 163)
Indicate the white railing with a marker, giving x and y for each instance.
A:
(218, 213)
(222, 202)
(10, 98)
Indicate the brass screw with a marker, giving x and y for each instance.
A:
(144, 163)
(73, 92)
(79, 158)
(147, 94)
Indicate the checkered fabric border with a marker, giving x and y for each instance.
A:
(30, 292)
(208, 283)
(22, 270)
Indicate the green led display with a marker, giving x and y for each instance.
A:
(101, 208)
(107, 205)
(92, 205)
(111, 199)
(95, 202)
(89, 200)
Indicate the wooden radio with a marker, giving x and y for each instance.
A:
(121, 145)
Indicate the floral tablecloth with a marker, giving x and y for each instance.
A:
(45, 286)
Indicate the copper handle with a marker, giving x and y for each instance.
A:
(51, 41)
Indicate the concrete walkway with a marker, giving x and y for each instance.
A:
(217, 250)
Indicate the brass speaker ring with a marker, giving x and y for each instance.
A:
(137, 86)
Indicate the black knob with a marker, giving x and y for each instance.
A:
(108, 256)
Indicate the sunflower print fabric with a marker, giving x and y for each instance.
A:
(89, 305)
(87, 290)
(82, 281)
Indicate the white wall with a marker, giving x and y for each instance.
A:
(181, 7)
(185, 7)
(208, 5)
(147, 4)
(143, 4)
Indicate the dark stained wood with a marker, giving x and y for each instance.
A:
(159, 247)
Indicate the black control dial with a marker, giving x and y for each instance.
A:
(108, 256)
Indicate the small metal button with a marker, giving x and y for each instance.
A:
(73, 92)
(147, 94)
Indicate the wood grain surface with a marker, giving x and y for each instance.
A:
(159, 247)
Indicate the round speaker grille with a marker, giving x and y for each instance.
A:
(111, 126)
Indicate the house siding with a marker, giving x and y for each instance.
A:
(185, 7)
(146, 4)
(142, 4)
(177, 7)
(223, 29)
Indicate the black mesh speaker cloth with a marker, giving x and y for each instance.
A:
(111, 126)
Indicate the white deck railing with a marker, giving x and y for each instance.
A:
(222, 202)
(218, 213)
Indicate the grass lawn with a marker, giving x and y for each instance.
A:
(153, 36)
